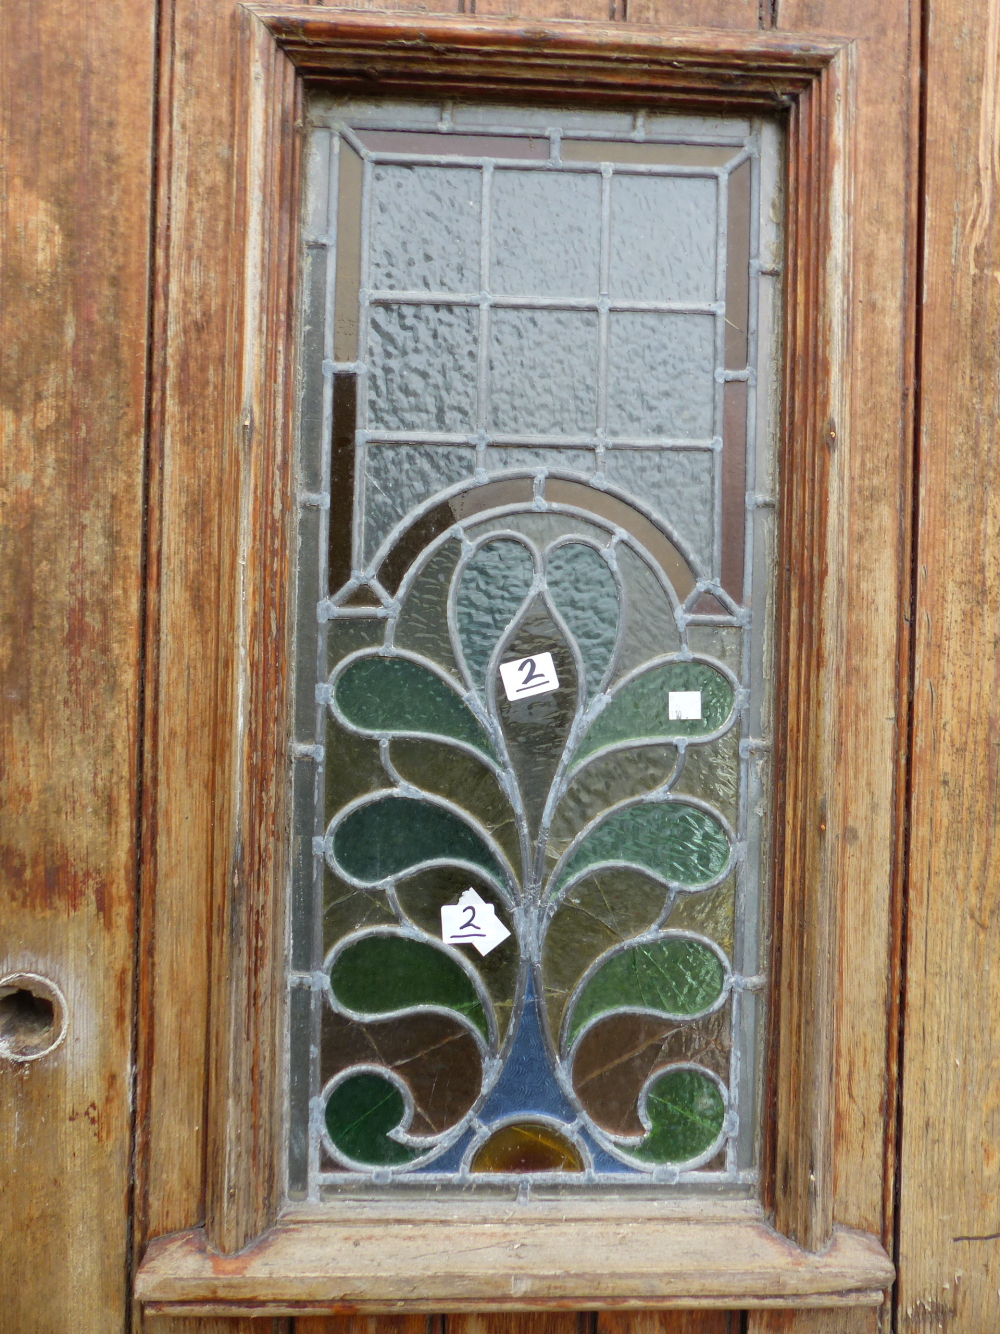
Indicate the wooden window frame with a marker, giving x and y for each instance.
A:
(253, 1256)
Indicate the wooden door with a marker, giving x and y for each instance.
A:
(116, 195)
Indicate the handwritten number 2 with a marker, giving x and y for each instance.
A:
(529, 664)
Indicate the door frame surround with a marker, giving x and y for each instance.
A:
(252, 1256)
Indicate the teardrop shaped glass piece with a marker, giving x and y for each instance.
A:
(492, 588)
(583, 591)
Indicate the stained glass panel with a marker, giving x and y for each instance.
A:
(530, 762)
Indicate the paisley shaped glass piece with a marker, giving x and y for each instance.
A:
(711, 913)
(607, 780)
(675, 976)
(421, 898)
(536, 729)
(353, 767)
(712, 773)
(602, 911)
(527, 1147)
(422, 626)
(682, 844)
(359, 1114)
(650, 628)
(396, 695)
(639, 710)
(616, 1056)
(434, 1053)
(457, 776)
(583, 591)
(686, 1112)
(491, 590)
(379, 974)
(391, 834)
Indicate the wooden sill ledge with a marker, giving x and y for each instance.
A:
(375, 1258)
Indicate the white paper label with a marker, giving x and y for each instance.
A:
(472, 921)
(683, 705)
(529, 676)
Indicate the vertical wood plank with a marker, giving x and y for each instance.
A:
(76, 125)
(668, 1322)
(949, 1218)
(541, 1322)
(359, 1324)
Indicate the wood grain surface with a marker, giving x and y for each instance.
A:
(76, 104)
(949, 1216)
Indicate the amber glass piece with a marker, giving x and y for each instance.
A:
(531, 148)
(528, 1146)
(709, 605)
(711, 913)
(345, 400)
(734, 473)
(345, 320)
(655, 155)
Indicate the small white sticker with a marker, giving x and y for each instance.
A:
(529, 676)
(472, 921)
(683, 705)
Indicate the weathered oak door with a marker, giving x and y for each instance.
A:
(119, 460)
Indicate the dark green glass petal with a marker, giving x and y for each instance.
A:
(359, 1114)
(378, 694)
(392, 834)
(382, 973)
(686, 1113)
(494, 584)
(681, 843)
(639, 709)
(583, 591)
(675, 975)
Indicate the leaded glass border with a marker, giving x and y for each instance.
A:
(342, 433)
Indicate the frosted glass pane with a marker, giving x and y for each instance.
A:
(519, 456)
(425, 229)
(661, 375)
(422, 362)
(546, 234)
(663, 238)
(399, 477)
(543, 365)
(678, 484)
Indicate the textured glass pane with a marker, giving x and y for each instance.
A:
(348, 909)
(546, 234)
(493, 586)
(679, 485)
(681, 843)
(663, 238)
(422, 368)
(543, 369)
(381, 973)
(718, 641)
(650, 627)
(712, 773)
(423, 624)
(399, 477)
(395, 834)
(661, 375)
(527, 1148)
(425, 229)
(710, 913)
(673, 976)
(583, 590)
(563, 458)
(641, 708)
(396, 695)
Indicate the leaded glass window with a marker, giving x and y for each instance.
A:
(530, 761)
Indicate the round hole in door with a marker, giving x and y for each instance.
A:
(32, 1016)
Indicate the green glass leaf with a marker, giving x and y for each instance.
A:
(392, 834)
(680, 843)
(494, 584)
(583, 590)
(639, 709)
(360, 1112)
(382, 973)
(674, 976)
(396, 695)
(686, 1113)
